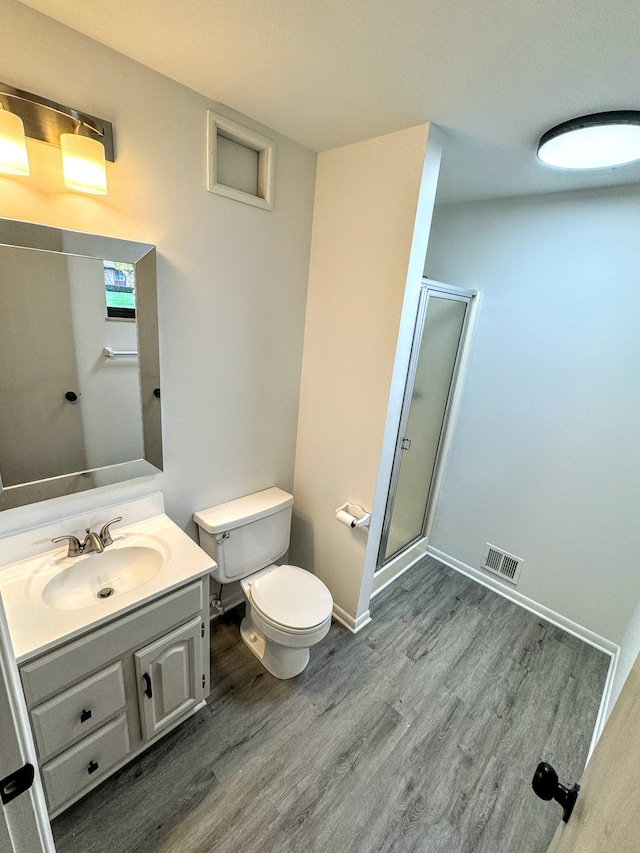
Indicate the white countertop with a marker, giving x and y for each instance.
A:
(36, 627)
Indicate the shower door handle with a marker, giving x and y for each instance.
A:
(406, 444)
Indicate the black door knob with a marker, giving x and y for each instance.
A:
(71, 396)
(546, 785)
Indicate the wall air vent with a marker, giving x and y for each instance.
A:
(500, 563)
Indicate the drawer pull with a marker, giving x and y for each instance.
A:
(93, 766)
(84, 716)
(147, 690)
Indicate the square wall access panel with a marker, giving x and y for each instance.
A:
(241, 162)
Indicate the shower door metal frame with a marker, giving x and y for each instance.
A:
(457, 294)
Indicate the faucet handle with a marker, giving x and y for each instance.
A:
(75, 548)
(105, 533)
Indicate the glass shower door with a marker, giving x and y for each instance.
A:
(440, 327)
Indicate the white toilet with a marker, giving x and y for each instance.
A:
(288, 609)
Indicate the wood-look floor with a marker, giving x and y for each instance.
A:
(420, 733)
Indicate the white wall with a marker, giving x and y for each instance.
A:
(365, 255)
(232, 278)
(545, 462)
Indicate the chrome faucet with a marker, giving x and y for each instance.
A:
(92, 541)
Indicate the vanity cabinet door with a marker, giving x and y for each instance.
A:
(170, 677)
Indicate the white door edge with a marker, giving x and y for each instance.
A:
(24, 822)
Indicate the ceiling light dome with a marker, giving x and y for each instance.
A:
(595, 141)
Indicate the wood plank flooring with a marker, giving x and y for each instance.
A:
(420, 733)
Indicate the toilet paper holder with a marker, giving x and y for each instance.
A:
(353, 515)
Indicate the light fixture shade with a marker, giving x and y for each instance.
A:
(13, 145)
(83, 164)
(596, 141)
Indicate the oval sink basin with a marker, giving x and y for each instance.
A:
(91, 579)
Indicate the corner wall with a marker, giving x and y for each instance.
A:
(544, 462)
(363, 260)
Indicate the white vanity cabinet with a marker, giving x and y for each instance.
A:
(101, 699)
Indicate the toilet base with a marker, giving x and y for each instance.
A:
(279, 660)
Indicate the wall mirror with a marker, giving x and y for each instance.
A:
(79, 381)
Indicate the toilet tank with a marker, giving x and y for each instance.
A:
(247, 534)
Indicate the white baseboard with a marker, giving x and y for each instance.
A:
(229, 604)
(546, 613)
(233, 601)
(397, 567)
(349, 621)
(604, 710)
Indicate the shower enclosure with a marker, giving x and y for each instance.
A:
(442, 327)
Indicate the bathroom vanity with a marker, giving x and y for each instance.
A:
(104, 678)
(96, 702)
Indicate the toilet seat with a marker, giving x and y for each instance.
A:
(291, 598)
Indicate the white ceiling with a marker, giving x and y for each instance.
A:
(494, 73)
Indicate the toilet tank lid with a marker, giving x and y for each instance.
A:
(226, 516)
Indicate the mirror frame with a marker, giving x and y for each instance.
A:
(28, 235)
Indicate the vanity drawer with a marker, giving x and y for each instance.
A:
(85, 763)
(77, 712)
(51, 673)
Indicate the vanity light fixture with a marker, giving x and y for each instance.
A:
(13, 145)
(85, 140)
(596, 141)
(83, 164)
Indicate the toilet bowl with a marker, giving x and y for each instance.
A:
(288, 609)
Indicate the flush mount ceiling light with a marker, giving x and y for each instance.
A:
(86, 141)
(595, 141)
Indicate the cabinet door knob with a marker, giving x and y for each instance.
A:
(84, 716)
(546, 785)
(93, 766)
(71, 396)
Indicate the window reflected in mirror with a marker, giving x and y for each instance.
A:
(120, 289)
